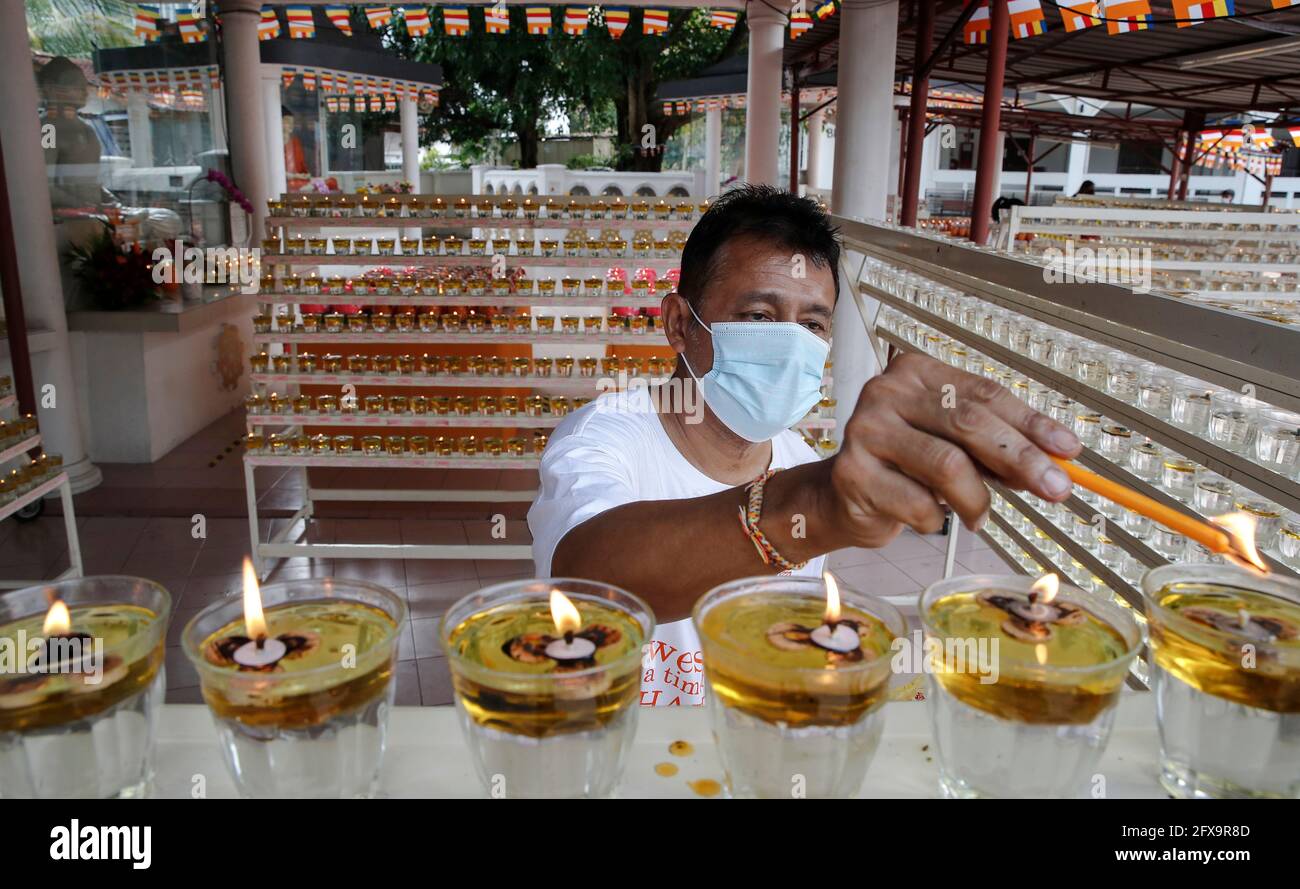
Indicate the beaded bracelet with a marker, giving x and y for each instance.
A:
(749, 523)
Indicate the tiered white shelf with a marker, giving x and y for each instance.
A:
(21, 504)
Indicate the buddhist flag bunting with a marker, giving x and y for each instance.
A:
(799, 22)
(455, 20)
(496, 19)
(668, 109)
(309, 81)
(1126, 16)
(269, 27)
(332, 104)
(1294, 132)
(417, 20)
(1077, 15)
(214, 78)
(378, 16)
(301, 25)
(390, 103)
(146, 22)
(287, 76)
(575, 20)
(1283, 4)
(339, 18)
(1027, 19)
(683, 107)
(1193, 12)
(616, 20)
(327, 82)
(976, 29)
(190, 30)
(654, 21)
(345, 104)
(723, 18)
(539, 19)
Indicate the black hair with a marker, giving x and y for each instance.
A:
(763, 212)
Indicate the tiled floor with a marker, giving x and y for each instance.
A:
(197, 569)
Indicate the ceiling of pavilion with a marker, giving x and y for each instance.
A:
(1141, 67)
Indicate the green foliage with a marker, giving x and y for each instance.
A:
(76, 28)
(512, 83)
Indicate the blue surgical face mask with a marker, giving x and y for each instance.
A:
(766, 375)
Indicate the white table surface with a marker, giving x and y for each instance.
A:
(427, 757)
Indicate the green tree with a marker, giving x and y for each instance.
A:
(627, 72)
(491, 83)
(76, 28)
(514, 82)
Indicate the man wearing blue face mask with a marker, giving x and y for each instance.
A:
(672, 491)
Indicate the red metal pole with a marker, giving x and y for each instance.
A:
(10, 283)
(794, 132)
(911, 190)
(1029, 165)
(1175, 166)
(987, 172)
(1193, 123)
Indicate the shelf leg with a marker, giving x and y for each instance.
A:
(950, 552)
(250, 489)
(70, 527)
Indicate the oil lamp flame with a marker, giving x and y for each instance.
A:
(832, 600)
(564, 613)
(254, 620)
(1046, 588)
(58, 622)
(1040, 654)
(1241, 534)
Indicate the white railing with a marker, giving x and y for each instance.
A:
(556, 179)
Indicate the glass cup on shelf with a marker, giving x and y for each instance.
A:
(1087, 425)
(1170, 544)
(1288, 540)
(1277, 441)
(1232, 423)
(1189, 406)
(1155, 391)
(1090, 366)
(1146, 461)
(1122, 375)
(1115, 442)
(1178, 477)
(1213, 494)
(1065, 353)
(1268, 517)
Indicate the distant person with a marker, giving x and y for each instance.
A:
(1226, 196)
(1087, 187)
(72, 154)
(1004, 204)
(295, 159)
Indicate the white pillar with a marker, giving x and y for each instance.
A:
(410, 144)
(277, 179)
(1076, 164)
(816, 139)
(217, 119)
(138, 128)
(763, 93)
(712, 151)
(38, 263)
(864, 114)
(244, 120)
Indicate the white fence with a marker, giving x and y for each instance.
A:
(548, 179)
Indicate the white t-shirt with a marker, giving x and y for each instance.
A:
(615, 451)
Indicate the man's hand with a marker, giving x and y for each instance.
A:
(924, 434)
